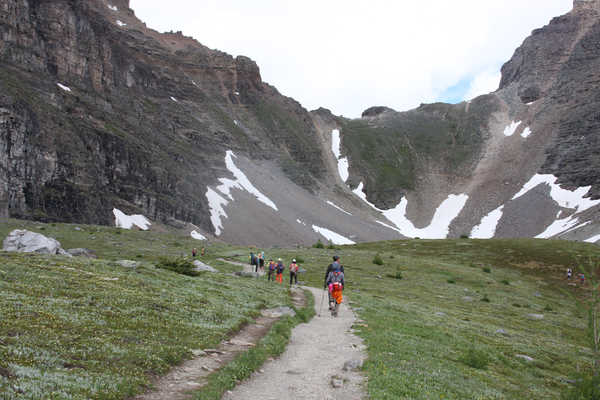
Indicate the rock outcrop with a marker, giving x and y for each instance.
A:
(23, 241)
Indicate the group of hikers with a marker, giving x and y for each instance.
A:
(333, 282)
(570, 276)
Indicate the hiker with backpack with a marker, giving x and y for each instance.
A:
(335, 265)
(293, 272)
(261, 261)
(254, 261)
(271, 270)
(569, 273)
(279, 269)
(335, 285)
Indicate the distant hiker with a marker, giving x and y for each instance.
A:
(279, 269)
(272, 267)
(254, 261)
(293, 272)
(569, 273)
(261, 260)
(334, 266)
(335, 285)
(202, 252)
(194, 252)
(582, 277)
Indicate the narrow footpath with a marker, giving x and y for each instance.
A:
(320, 362)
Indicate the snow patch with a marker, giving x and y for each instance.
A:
(335, 238)
(558, 227)
(63, 87)
(174, 99)
(526, 132)
(113, 8)
(511, 129)
(301, 222)
(120, 23)
(565, 198)
(235, 122)
(217, 202)
(125, 221)
(342, 161)
(197, 236)
(593, 239)
(339, 208)
(530, 103)
(487, 227)
(440, 224)
(236, 93)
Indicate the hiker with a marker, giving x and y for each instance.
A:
(202, 252)
(271, 270)
(194, 252)
(582, 277)
(569, 273)
(293, 272)
(335, 284)
(279, 269)
(335, 265)
(261, 260)
(254, 261)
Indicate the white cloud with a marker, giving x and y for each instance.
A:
(348, 55)
(483, 83)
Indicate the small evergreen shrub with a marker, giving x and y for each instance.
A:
(451, 281)
(487, 270)
(397, 275)
(178, 265)
(516, 305)
(506, 282)
(548, 308)
(299, 260)
(377, 260)
(318, 245)
(485, 298)
(464, 236)
(330, 246)
(475, 359)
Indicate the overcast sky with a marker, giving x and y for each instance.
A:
(348, 55)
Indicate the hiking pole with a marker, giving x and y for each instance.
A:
(322, 298)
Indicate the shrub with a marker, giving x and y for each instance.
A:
(392, 256)
(377, 260)
(397, 275)
(464, 236)
(319, 245)
(487, 270)
(330, 246)
(516, 305)
(485, 298)
(585, 388)
(548, 308)
(451, 281)
(299, 260)
(506, 282)
(117, 231)
(179, 265)
(475, 359)
(139, 256)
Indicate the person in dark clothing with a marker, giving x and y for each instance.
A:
(293, 272)
(280, 267)
(334, 266)
(335, 283)
(271, 270)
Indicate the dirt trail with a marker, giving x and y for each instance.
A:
(312, 363)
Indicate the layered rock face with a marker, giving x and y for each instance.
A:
(98, 111)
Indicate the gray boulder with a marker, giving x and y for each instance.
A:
(82, 253)
(352, 365)
(278, 312)
(127, 263)
(23, 241)
(200, 266)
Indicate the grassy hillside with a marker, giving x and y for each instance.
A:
(449, 319)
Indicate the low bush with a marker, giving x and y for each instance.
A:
(377, 260)
(487, 270)
(180, 265)
(585, 388)
(451, 281)
(485, 298)
(475, 359)
(299, 260)
(464, 236)
(506, 282)
(319, 245)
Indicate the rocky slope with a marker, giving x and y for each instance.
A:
(99, 112)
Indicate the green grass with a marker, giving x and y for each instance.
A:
(424, 339)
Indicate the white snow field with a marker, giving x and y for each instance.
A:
(512, 128)
(526, 133)
(593, 239)
(197, 236)
(487, 227)
(125, 221)
(120, 23)
(113, 8)
(440, 223)
(336, 149)
(335, 238)
(574, 200)
(217, 203)
(338, 208)
(63, 87)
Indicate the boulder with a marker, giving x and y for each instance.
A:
(352, 365)
(23, 241)
(535, 317)
(82, 253)
(200, 266)
(127, 263)
(278, 312)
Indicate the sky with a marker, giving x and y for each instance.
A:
(349, 55)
